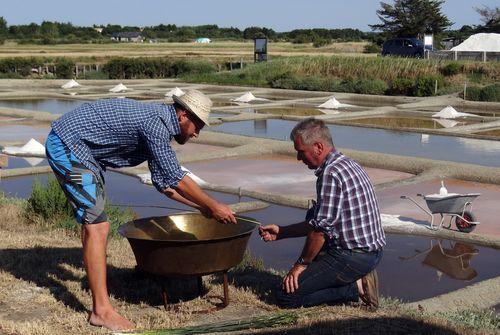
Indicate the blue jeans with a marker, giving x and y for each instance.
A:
(331, 278)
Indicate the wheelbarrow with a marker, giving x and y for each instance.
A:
(457, 207)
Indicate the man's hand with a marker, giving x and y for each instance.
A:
(291, 280)
(223, 213)
(269, 233)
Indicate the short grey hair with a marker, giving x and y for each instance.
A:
(312, 130)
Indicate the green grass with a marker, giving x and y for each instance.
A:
(48, 207)
(366, 75)
(476, 319)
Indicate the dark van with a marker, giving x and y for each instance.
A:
(404, 47)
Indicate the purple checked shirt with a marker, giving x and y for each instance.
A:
(347, 209)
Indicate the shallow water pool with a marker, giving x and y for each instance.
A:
(449, 148)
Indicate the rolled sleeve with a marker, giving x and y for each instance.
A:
(328, 208)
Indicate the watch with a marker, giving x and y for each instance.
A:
(302, 261)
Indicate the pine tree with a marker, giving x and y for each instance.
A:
(411, 18)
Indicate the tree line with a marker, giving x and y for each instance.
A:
(401, 18)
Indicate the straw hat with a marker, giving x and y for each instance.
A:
(195, 102)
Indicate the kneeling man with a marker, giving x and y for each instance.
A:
(344, 232)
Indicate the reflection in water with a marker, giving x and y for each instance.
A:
(450, 148)
(54, 106)
(453, 261)
(260, 126)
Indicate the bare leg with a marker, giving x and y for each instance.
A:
(94, 239)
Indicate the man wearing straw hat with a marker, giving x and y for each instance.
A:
(119, 133)
(344, 233)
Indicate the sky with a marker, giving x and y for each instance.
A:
(280, 15)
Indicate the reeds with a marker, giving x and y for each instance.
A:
(277, 320)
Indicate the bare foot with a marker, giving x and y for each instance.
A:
(111, 320)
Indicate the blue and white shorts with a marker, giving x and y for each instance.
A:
(84, 189)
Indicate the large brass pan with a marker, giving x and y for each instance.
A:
(187, 244)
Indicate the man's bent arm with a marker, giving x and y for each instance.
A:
(314, 242)
(174, 195)
(189, 190)
(295, 230)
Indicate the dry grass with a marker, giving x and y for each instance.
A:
(43, 290)
(226, 49)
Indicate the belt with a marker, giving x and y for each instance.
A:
(360, 250)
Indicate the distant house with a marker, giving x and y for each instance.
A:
(203, 40)
(99, 29)
(450, 42)
(128, 36)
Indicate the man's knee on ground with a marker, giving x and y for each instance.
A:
(285, 300)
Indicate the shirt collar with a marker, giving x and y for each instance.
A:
(332, 155)
(169, 116)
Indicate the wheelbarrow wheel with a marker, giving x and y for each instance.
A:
(464, 223)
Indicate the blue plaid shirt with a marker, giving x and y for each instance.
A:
(123, 132)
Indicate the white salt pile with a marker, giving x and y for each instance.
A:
(175, 91)
(480, 42)
(247, 97)
(70, 84)
(333, 103)
(447, 123)
(440, 196)
(118, 88)
(450, 113)
(328, 111)
(33, 147)
(33, 161)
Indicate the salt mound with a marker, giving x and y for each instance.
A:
(33, 161)
(118, 88)
(247, 97)
(176, 91)
(33, 147)
(450, 113)
(447, 123)
(440, 196)
(480, 42)
(70, 84)
(328, 111)
(333, 103)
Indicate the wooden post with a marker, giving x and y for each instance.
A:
(465, 91)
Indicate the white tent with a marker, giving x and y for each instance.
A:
(175, 91)
(450, 113)
(33, 147)
(247, 97)
(146, 177)
(333, 103)
(480, 42)
(70, 84)
(203, 40)
(118, 88)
